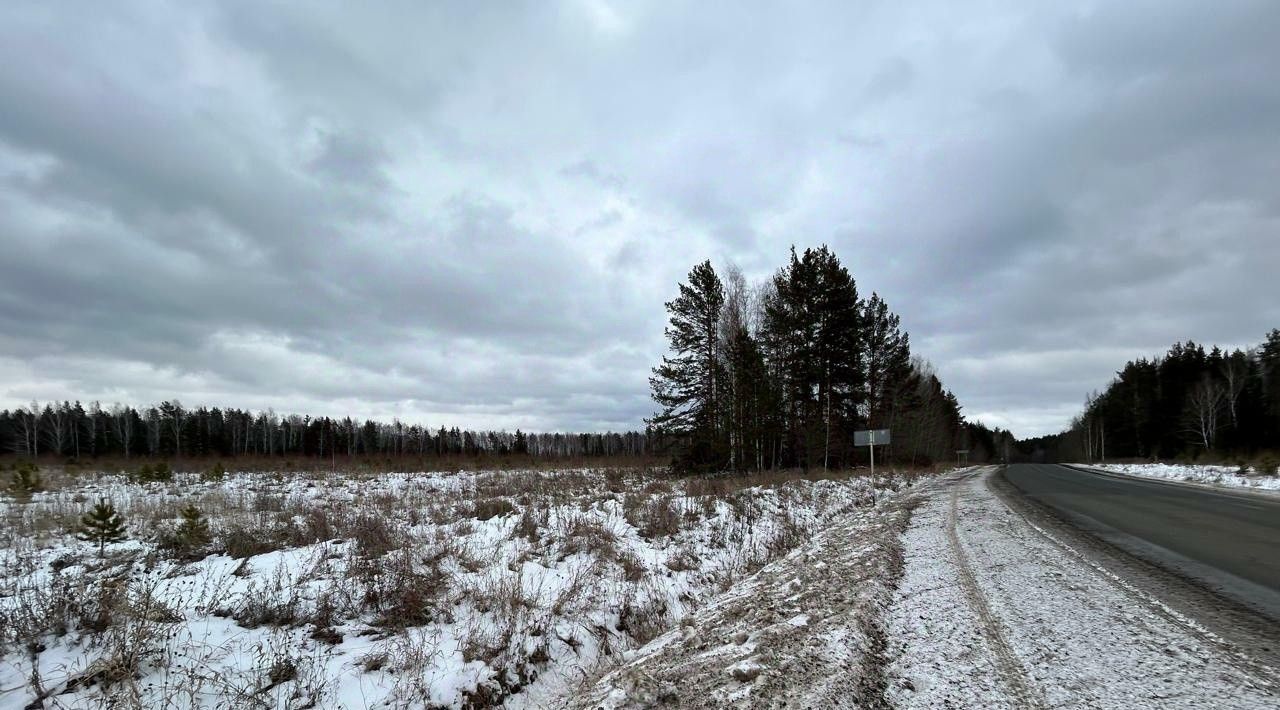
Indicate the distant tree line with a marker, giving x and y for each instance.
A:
(1186, 403)
(170, 430)
(781, 374)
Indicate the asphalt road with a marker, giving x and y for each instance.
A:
(1227, 542)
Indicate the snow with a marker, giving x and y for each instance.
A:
(994, 612)
(802, 632)
(506, 609)
(1225, 476)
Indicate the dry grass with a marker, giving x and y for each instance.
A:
(517, 570)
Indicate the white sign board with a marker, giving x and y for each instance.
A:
(871, 437)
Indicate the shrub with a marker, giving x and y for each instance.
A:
(373, 536)
(531, 521)
(403, 594)
(25, 481)
(241, 542)
(491, 508)
(654, 518)
(683, 560)
(587, 535)
(1267, 465)
(633, 568)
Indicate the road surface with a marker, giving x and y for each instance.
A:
(1227, 542)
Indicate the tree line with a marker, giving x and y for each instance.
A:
(781, 373)
(1183, 404)
(170, 430)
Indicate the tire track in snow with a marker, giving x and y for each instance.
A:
(1007, 665)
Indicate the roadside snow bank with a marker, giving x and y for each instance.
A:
(1191, 473)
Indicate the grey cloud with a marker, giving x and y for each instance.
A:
(474, 214)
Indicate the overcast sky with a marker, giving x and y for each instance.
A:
(472, 214)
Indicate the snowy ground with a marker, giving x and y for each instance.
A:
(804, 632)
(1191, 473)
(995, 612)
(413, 590)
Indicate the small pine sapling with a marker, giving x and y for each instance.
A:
(102, 525)
(161, 472)
(193, 531)
(214, 474)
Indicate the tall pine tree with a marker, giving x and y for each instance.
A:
(687, 383)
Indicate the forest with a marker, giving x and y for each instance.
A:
(69, 430)
(781, 373)
(1187, 404)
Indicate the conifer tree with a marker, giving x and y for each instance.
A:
(102, 525)
(687, 385)
(193, 531)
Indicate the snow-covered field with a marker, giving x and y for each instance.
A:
(1192, 473)
(399, 590)
(995, 612)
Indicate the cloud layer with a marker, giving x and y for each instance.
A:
(460, 214)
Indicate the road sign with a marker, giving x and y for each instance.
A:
(871, 437)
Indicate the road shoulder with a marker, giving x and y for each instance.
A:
(1077, 635)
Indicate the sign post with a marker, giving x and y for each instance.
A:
(871, 437)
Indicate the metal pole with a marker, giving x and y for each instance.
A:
(873, 458)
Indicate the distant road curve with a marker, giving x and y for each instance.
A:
(1228, 542)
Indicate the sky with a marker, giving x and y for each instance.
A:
(472, 213)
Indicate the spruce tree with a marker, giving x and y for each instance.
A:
(102, 525)
(193, 531)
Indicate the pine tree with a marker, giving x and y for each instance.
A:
(812, 325)
(887, 359)
(687, 385)
(193, 531)
(102, 525)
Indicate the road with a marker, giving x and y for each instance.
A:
(1227, 542)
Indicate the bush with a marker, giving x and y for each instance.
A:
(25, 481)
(654, 517)
(531, 521)
(374, 536)
(1267, 465)
(241, 542)
(588, 536)
(491, 508)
